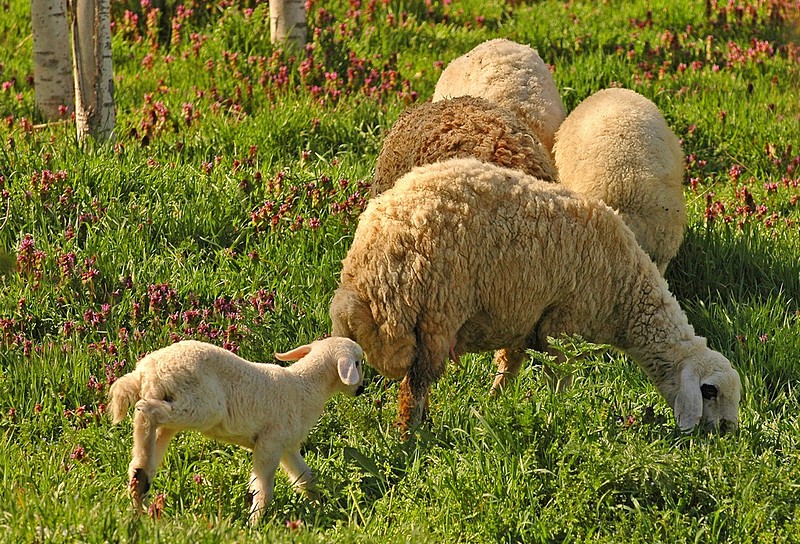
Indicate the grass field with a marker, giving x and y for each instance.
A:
(222, 212)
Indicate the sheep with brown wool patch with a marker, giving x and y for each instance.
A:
(466, 126)
(420, 282)
(266, 408)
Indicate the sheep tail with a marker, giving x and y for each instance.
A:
(123, 394)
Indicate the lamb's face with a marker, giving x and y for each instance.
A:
(709, 393)
(350, 366)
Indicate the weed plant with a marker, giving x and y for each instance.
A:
(228, 198)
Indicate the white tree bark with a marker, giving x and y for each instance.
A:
(52, 64)
(287, 22)
(95, 111)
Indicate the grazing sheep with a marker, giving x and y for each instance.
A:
(421, 281)
(616, 146)
(511, 75)
(264, 407)
(462, 127)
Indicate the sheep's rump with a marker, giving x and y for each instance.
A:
(616, 147)
(476, 255)
(462, 127)
(512, 75)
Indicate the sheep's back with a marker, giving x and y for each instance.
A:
(616, 146)
(461, 127)
(512, 75)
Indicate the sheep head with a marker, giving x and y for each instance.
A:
(709, 393)
(389, 351)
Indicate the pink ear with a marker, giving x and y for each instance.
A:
(348, 372)
(295, 354)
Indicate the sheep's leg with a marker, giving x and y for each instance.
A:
(508, 363)
(148, 415)
(300, 474)
(427, 367)
(262, 484)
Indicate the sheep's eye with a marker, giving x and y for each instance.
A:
(709, 391)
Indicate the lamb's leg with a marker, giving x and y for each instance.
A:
(148, 415)
(262, 483)
(508, 363)
(428, 366)
(300, 474)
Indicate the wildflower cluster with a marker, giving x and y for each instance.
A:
(294, 206)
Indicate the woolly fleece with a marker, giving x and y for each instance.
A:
(617, 147)
(462, 127)
(511, 75)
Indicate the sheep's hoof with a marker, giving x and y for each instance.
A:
(255, 515)
(311, 493)
(138, 487)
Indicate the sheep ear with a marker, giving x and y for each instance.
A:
(689, 402)
(348, 371)
(295, 354)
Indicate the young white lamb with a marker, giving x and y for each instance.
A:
(616, 146)
(466, 126)
(511, 75)
(421, 281)
(267, 408)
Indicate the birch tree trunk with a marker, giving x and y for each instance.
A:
(287, 22)
(52, 64)
(95, 112)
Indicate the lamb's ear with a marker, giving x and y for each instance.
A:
(295, 354)
(348, 371)
(689, 402)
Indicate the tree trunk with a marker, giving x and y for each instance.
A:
(95, 113)
(52, 65)
(287, 22)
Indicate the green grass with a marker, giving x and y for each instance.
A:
(228, 200)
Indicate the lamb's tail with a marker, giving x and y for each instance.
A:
(123, 394)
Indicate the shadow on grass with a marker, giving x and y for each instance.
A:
(741, 290)
(723, 266)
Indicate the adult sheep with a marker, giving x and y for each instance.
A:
(462, 127)
(421, 281)
(511, 75)
(617, 147)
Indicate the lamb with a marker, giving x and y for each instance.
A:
(511, 75)
(420, 282)
(462, 127)
(266, 408)
(617, 147)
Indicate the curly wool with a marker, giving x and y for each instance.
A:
(421, 280)
(511, 75)
(462, 127)
(617, 147)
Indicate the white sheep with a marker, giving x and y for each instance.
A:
(267, 408)
(616, 146)
(511, 75)
(421, 281)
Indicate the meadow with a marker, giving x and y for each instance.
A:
(222, 211)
